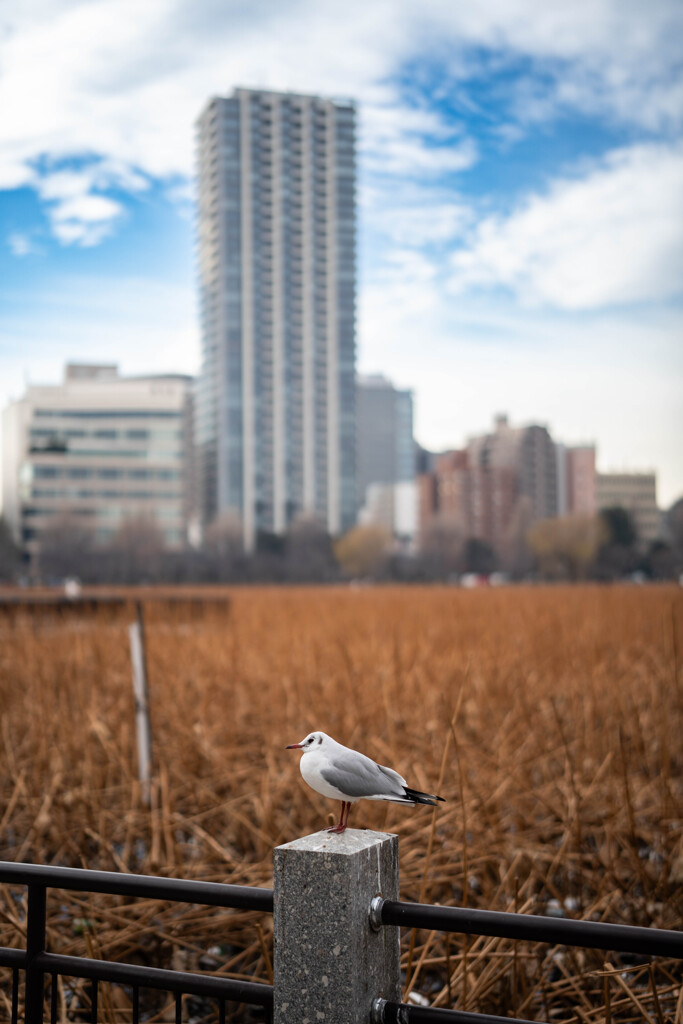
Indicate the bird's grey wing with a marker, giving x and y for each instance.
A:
(360, 777)
(390, 773)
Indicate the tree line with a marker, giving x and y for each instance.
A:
(604, 547)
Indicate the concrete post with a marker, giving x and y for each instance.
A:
(329, 963)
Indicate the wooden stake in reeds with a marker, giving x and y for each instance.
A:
(143, 729)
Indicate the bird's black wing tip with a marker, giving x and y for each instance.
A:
(423, 798)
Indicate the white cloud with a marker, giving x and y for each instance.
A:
(414, 216)
(609, 57)
(20, 244)
(611, 237)
(84, 219)
(432, 223)
(397, 140)
(76, 208)
(15, 172)
(126, 81)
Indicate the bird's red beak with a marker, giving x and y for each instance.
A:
(294, 746)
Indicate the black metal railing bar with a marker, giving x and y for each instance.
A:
(624, 938)
(114, 883)
(15, 958)
(147, 977)
(182, 982)
(387, 1012)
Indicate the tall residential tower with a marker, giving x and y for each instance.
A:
(277, 261)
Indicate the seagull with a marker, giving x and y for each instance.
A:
(343, 774)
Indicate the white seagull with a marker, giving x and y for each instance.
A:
(343, 774)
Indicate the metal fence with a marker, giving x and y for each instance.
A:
(39, 965)
(523, 927)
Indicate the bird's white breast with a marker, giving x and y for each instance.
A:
(311, 765)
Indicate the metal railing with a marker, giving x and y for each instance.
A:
(38, 963)
(624, 938)
(522, 927)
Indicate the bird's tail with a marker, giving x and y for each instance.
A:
(416, 797)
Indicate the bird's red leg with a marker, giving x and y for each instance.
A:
(340, 826)
(348, 811)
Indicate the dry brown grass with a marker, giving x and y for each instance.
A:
(550, 718)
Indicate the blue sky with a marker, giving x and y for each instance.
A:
(520, 198)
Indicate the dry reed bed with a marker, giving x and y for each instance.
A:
(550, 719)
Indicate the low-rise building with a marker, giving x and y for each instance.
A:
(636, 493)
(102, 448)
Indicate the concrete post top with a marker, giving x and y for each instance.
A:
(344, 844)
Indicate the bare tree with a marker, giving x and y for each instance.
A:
(10, 555)
(478, 557)
(515, 554)
(619, 553)
(136, 552)
(224, 548)
(442, 548)
(308, 551)
(66, 548)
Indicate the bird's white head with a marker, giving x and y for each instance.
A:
(314, 741)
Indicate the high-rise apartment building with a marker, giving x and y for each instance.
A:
(530, 453)
(496, 486)
(575, 480)
(276, 403)
(101, 448)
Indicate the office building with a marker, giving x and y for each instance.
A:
(385, 446)
(101, 448)
(276, 415)
(636, 493)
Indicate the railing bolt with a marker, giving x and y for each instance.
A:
(376, 904)
(378, 1004)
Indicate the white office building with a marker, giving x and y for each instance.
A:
(99, 447)
(276, 245)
